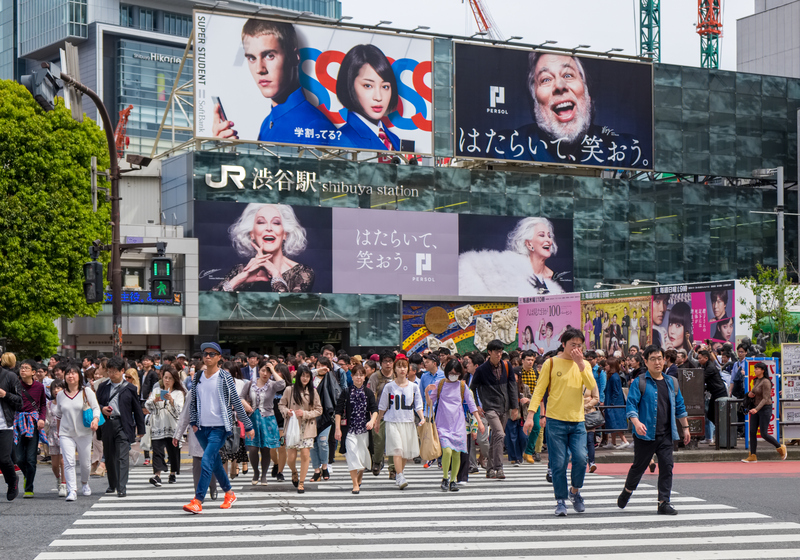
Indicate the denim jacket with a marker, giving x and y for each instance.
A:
(645, 408)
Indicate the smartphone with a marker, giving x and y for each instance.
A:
(164, 393)
(215, 100)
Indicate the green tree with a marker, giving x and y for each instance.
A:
(46, 218)
(774, 295)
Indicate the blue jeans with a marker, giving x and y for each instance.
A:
(515, 440)
(563, 436)
(319, 453)
(211, 440)
(590, 446)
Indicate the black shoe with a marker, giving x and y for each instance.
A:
(213, 493)
(122, 494)
(473, 470)
(665, 508)
(280, 477)
(445, 486)
(13, 491)
(325, 474)
(173, 478)
(652, 467)
(110, 491)
(624, 496)
(156, 481)
(316, 477)
(274, 471)
(453, 486)
(377, 468)
(549, 477)
(417, 460)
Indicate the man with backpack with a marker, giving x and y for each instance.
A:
(654, 403)
(496, 387)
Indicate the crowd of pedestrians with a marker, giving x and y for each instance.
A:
(269, 413)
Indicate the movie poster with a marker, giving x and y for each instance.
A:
(616, 320)
(543, 319)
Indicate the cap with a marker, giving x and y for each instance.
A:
(183, 356)
(210, 346)
(400, 356)
(375, 358)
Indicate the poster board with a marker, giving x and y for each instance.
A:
(790, 389)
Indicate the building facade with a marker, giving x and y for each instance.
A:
(768, 42)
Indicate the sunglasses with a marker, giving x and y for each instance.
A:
(210, 354)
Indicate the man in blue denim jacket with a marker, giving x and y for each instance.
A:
(653, 416)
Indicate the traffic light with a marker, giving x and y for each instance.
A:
(93, 282)
(44, 84)
(161, 278)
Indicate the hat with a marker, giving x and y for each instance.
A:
(358, 357)
(375, 358)
(183, 356)
(400, 356)
(211, 346)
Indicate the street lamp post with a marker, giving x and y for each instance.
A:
(780, 211)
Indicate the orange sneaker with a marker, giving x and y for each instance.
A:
(750, 459)
(195, 506)
(230, 498)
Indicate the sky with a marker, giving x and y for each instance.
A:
(602, 24)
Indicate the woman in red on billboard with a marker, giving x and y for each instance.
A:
(268, 234)
(367, 87)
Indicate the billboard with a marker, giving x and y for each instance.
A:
(271, 81)
(693, 313)
(267, 246)
(556, 108)
(616, 320)
(543, 319)
(514, 256)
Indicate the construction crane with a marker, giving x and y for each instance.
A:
(485, 21)
(709, 27)
(650, 29)
(120, 139)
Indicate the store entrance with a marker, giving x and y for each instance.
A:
(274, 340)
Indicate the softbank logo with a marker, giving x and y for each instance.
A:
(497, 95)
(423, 263)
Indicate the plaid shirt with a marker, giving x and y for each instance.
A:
(530, 378)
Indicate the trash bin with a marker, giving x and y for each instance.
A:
(726, 413)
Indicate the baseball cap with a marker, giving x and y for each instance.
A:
(210, 346)
(183, 356)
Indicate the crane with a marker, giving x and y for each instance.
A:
(709, 27)
(650, 29)
(119, 133)
(485, 21)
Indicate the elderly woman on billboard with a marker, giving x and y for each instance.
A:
(521, 269)
(267, 235)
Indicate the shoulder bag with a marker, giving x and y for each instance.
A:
(88, 413)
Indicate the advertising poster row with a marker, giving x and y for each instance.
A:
(277, 247)
(678, 316)
(263, 80)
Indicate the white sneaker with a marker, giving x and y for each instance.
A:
(86, 491)
(401, 481)
(72, 497)
(62, 490)
(609, 445)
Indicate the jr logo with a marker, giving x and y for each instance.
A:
(497, 95)
(236, 173)
(423, 263)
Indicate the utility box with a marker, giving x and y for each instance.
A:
(726, 413)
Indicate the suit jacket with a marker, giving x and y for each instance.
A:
(130, 409)
(356, 134)
(12, 402)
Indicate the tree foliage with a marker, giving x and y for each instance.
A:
(46, 218)
(774, 295)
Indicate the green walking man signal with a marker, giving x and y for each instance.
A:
(161, 278)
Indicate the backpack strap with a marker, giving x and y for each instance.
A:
(642, 383)
(439, 389)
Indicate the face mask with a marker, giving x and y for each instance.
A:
(452, 377)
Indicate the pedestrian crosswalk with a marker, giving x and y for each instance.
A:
(491, 519)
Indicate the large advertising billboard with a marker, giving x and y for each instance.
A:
(272, 81)
(269, 247)
(555, 108)
(543, 319)
(616, 320)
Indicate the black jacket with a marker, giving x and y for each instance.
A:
(12, 402)
(344, 408)
(329, 391)
(130, 409)
(713, 379)
(147, 382)
(500, 395)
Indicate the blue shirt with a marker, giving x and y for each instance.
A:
(426, 379)
(289, 122)
(600, 378)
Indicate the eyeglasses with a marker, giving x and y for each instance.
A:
(210, 354)
(128, 377)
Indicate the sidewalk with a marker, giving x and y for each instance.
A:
(703, 453)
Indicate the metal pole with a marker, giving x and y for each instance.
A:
(780, 209)
(116, 265)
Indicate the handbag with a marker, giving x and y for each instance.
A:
(231, 445)
(146, 443)
(429, 446)
(594, 419)
(88, 413)
(292, 433)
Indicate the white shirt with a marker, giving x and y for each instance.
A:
(400, 402)
(3, 425)
(208, 395)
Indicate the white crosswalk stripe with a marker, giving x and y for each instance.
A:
(487, 518)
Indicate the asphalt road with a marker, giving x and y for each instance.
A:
(726, 510)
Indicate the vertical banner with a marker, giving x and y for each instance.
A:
(773, 367)
(615, 320)
(790, 389)
(543, 319)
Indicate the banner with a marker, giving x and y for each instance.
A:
(543, 319)
(394, 252)
(283, 83)
(689, 314)
(514, 256)
(518, 104)
(616, 320)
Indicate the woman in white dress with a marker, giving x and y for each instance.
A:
(634, 331)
